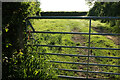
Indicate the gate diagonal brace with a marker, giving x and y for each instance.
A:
(31, 26)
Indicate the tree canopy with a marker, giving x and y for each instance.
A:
(107, 9)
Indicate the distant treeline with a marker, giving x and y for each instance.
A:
(63, 13)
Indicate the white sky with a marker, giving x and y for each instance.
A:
(63, 5)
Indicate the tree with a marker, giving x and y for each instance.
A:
(13, 26)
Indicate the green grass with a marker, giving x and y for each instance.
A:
(66, 40)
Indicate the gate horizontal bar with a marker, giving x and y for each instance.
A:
(83, 47)
(74, 33)
(86, 63)
(71, 17)
(73, 77)
(79, 55)
(88, 71)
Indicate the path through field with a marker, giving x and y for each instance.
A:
(82, 39)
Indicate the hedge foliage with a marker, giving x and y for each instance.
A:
(63, 13)
(13, 26)
(107, 9)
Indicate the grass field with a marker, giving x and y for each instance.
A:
(76, 40)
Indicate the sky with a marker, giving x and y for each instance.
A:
(63, 5)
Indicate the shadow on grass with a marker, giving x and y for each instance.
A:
(101, 29)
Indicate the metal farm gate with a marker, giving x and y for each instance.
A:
(81, 47)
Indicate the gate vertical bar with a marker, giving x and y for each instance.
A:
(26, 24)
(119, 54)
(88, 49)
(26, 32)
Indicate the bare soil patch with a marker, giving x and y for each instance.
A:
(115, 39)
(82, 39)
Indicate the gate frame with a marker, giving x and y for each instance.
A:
(77, 17)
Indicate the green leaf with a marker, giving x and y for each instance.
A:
(7, 46)
(6, 29)
(23, 20)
